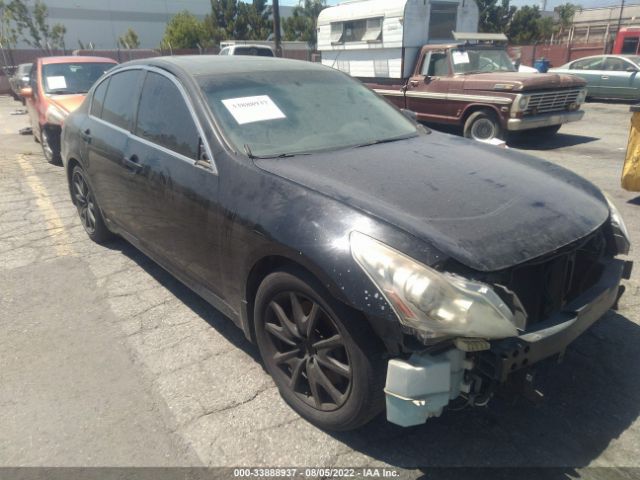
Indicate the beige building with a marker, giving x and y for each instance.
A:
(598, 25)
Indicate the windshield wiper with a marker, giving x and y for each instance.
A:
(247, 150)
(386, 140)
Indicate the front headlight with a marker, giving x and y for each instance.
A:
(432, 304)
(523, 103)
(623, 242)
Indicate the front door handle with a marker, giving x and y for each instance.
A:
(132, 163)
(605, 77)
(86, 135)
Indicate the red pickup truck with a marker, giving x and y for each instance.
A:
(477, 87)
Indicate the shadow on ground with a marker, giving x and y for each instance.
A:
(537, 141)
(591, 398)
(529, 140)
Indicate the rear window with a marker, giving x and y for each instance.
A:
(120, 99)
(98, 99)
(255, 51)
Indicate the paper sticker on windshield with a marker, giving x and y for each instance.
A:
(253, 109)
(460, 57)
(56, 83)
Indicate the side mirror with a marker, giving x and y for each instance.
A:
(26, 92)
(25, 79)
(632, 69)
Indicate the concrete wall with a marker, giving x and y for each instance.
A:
(101, 22)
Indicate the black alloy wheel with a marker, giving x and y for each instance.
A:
(306, 345)
(324, 357)
(88, 210)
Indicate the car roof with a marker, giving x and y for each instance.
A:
(626, 57)
(205, 65)
(76, 59)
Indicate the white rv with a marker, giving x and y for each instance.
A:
(381, 38)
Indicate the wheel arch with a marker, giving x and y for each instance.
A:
(279, 262)
(478, 107)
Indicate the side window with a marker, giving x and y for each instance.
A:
(120, 99)
(435, 65)
(224, 51)
(167, 123)
(588, 64)
(98, 99)
(614, 64)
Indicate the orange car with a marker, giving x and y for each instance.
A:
(57, 86)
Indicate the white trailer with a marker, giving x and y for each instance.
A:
(382, 38)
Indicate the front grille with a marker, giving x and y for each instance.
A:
(555, 101)
(545, 286)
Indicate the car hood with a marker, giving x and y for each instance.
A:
(521, 81)
(486, 207)
(68, 102)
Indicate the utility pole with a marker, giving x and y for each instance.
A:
(276, 27)
(620, 16)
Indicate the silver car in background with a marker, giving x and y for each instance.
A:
(607, 76)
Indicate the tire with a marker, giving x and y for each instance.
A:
(50, 142)
(88, 209)
(547, 131)
(334, 376)
(483, 125)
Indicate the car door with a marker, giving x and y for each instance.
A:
(618, 80)
(589, 69)
(427, 92)
(106, 134)
(177, 211)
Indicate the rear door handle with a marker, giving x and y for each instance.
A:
(414, 83)
(132, 163)
(605, 77)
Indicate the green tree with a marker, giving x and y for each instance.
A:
(184, 30)
(235, 20)
(302, 24)
(29, 22)
(565, 13)
(8, 32)
(259, 20)
(129, 39)
(525, 26)
(494, 17)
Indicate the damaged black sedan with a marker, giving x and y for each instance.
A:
(370, 260)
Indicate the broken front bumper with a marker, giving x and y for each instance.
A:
(420, 387)
(543, 120)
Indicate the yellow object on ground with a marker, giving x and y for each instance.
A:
(631, 168)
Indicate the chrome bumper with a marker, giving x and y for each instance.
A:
(543, 120)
